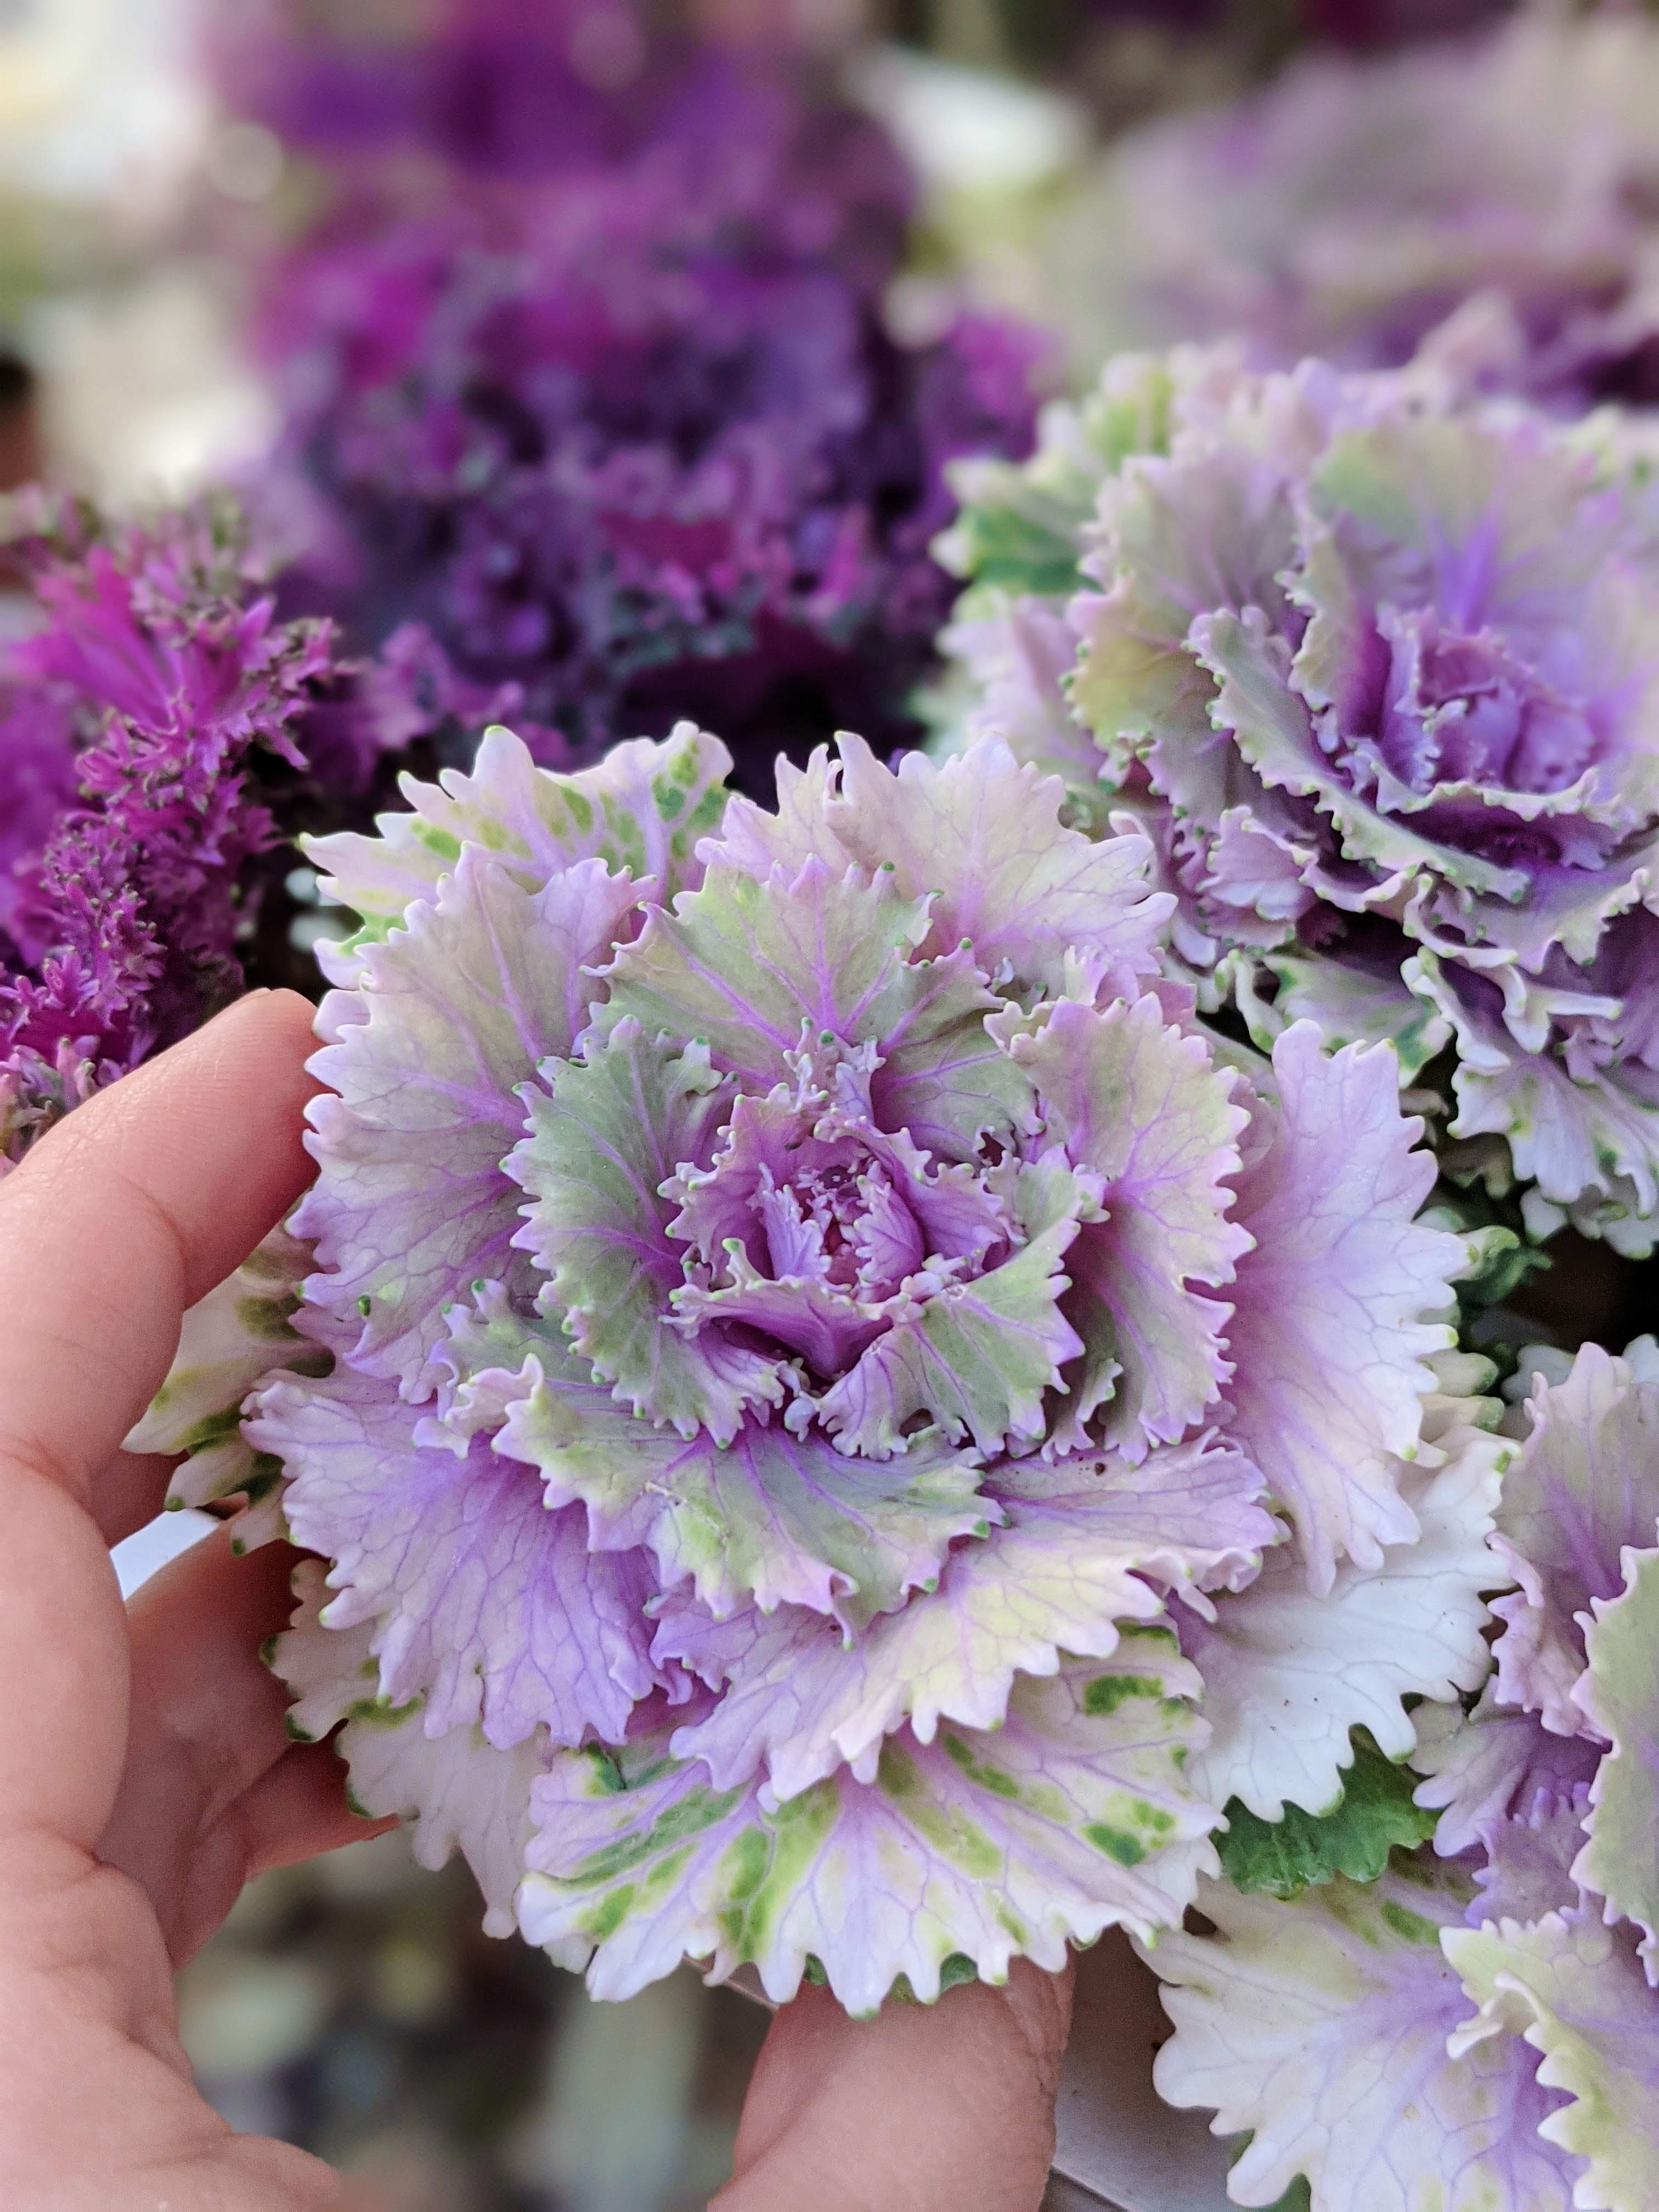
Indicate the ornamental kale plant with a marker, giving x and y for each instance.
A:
(1355, 204)
(842, 1427)
(637, 437)
(1511, 1975)
(473, 89)
(133, 715)
(1378, 670)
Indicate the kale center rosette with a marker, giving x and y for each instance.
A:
(820, 1337)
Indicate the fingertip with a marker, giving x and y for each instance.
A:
(212, 1130)
(131, 1210)
(131, 1491)
(932, 2106)
(272, 1028)
(273, 1009)
(302, 1809)
(1040, 2005)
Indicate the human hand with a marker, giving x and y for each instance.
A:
(145, 1774)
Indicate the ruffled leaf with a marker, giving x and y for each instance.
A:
(1576, 1990)
(1060, 1577)
(984, 838)
(820, 1230)
(1289, 1673)
(783, 1518)
(1144, 1109)
(1620, 1694)
(456, 1010)
(1329, 1341)
(1276, 735)
(980, 1356)
(1320, 2026)
(1353, 1004)
(643, 808)
(756, 967)
(460, 1792)
(1587, 1139)
(613, 1128)
(1584, 1487)
(759, 968)
(485, 1604)
(1374, 1815)
(331, 1673)
(231, 1341)
(1489, 517)
(1529, 1860)
(1017, 654)
(942, 1077)
(1179, 537)
(1483, 1769)
(1070, 1817)
(1020, 524)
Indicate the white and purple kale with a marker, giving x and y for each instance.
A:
(1377, 668)
(1494, 197)
(823, 1343)
(1481, 2027)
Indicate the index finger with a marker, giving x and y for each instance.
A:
(117, 1221)
(130, 1211)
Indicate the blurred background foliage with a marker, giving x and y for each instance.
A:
(356, 2006)
(132, 178)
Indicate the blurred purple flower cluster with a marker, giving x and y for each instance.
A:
(603, 401)
(131, 715)
(497, 88)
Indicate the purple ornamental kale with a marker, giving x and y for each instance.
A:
(638, 439)
(1489, 2020)
(1379, 668)
(493, 86)
(37, 782)
(811, 1314)
(130, 713)
(573, 90)
(1355, 204)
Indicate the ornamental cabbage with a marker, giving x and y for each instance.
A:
(823, 1341)
(1486, 2019)
(1377, 668)
(1493, 197)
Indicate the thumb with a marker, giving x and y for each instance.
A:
(925, 2108)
